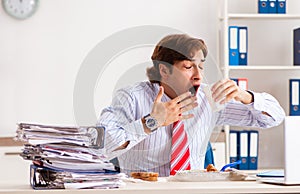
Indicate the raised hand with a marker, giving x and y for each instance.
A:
(167, 113)
(227, 89)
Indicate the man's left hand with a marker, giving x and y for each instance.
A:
(227, 89)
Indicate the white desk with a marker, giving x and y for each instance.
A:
(165, 187)
(14, 178)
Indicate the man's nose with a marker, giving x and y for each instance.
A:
(197, 74)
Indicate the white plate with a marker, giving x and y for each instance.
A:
(202, 176)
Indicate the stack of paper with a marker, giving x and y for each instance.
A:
(41, 134)
(67, 157)
(47, 178)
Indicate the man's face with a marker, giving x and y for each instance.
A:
(186, 75)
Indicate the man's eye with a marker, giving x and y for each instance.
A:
(188, 67)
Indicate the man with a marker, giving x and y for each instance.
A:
(139, 123)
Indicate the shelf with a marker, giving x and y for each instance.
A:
(264, 76)
(264, 67)
(263, 16)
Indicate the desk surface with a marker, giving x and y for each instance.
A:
(14, 179)
(163, 187)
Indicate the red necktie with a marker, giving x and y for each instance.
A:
(180, 152)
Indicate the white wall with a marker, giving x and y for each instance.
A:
(41, 56)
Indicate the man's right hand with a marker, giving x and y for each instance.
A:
(169, 112)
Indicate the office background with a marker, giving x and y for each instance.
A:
(41, 56)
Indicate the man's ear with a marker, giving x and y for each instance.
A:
(164, 70)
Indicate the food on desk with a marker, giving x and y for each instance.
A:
(211, 173)
(211, 168)
(146, 176)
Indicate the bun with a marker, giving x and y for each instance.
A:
(147, 176)
(211, 168)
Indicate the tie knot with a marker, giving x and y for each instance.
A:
(176, 123)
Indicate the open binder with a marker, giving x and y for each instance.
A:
(44, 178)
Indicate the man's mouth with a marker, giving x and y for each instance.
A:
(194, 89)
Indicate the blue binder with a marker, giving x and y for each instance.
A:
(294, 97)
(272, 6)
(233, 45)
(297, 46)
(233, 146)
(281, 6)
(253, 149)
(263, 6)
(244, 144)
(243, 45)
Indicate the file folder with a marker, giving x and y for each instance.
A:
(281, 6)
(272, 6)
(263, 6)
(253, 149)
(233, 45)
(294, 97)
(297, 46)
(244, 150)
(233, 146)
(243, 45)
(241, 82)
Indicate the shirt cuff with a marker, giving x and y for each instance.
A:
(135, 132)
(251, 106)
(258, 103)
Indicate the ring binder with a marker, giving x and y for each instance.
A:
(233, 45)
(44, 178)
(253, 149)
(281, 6)
(272, 6)
(244, 147)
(238, 45)
(263, 6)
(243, 45)
(294, 96)
(297, 46)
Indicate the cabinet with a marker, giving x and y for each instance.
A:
(270, 62)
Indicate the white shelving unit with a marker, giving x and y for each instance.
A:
(264, 67)
(270, 62)
(263, 16)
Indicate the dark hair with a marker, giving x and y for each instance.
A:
(171, 49)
